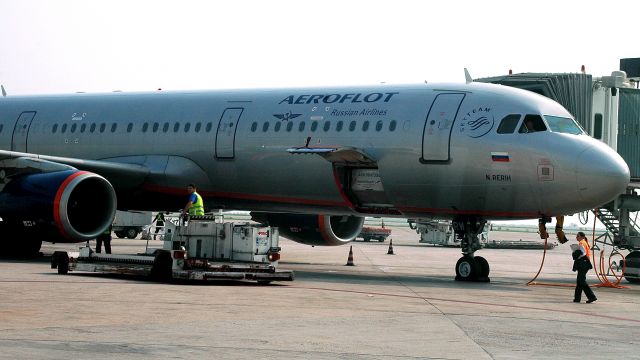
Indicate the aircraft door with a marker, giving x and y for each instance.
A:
(226, 133)
(437, 128)
(21, 130)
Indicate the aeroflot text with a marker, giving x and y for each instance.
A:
(338, 98)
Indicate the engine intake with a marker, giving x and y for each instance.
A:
(321, 230)
(62, 206)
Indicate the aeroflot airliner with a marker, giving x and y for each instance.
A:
(312, 161)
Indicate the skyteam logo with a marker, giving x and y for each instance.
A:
(477, 122)
(286, 116)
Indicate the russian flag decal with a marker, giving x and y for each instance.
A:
(500, 156)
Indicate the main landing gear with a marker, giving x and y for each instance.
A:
(470, 267)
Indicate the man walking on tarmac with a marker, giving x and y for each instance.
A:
(194, 206)
(582, 264)
(105, 238)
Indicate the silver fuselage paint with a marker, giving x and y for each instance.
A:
(238, 162)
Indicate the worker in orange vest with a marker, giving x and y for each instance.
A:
(582, 264)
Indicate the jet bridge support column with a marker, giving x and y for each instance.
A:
(470, 267)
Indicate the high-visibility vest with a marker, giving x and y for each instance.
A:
(586, 248)
(197, 208)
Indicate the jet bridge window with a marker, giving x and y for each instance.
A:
(54, 129)
(508, 124)
(532, 123)
(563, 125)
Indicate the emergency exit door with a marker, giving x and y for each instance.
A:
(226, 133)
(438, 126)
(21, 131)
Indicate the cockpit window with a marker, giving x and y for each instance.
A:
(563, 125)
(532, 123)
(508, 124)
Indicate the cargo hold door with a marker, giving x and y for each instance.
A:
(226, 133)
(21, 131)
(437, 128)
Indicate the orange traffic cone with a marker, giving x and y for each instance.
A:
(350, 259)
(390, 252)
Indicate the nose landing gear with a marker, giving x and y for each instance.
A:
(470, 267)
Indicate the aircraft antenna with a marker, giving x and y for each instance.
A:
(467, 76)
(4, 92)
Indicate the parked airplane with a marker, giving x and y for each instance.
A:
(312, 161)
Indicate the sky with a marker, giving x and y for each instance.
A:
(66, 46)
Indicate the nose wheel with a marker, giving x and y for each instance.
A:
(470, 267)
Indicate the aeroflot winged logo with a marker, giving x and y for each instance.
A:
(477, 122)
(287, 116)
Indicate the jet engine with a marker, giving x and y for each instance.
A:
(62, 206)
(321, 230)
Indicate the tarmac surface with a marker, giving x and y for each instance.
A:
(402, 306)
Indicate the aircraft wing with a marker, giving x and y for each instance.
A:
(120, 175)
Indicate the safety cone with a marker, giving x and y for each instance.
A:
(390, 252)
(350, 259)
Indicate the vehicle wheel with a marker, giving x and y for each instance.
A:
(367, 239)
(264, 282)
(162, 269)
(466, 269)
(63, 265)
(483, 267)
(131, 233)
(381, 240)
(632, 267)
(120, 234)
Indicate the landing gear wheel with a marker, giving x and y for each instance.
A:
(483, 269)
(632, 267)
(467, 269)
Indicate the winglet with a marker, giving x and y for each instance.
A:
(4, 92)
(467, 76)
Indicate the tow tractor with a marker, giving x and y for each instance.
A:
(200, 248)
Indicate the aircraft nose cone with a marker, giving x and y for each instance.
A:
(602, 175)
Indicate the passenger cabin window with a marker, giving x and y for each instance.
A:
(564, 125)
(208, 128)
(55, 128)
(532, 123)
(198, 127)
(93, 127)
(508, 124)
(289, 126)
(176, 127)
(83, 127)
(254, 126)
(277, 126)
(392, 125)
(129, 127)
(165, 127)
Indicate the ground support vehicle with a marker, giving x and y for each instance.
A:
(130, 223)
(200, 249)
(374, 233)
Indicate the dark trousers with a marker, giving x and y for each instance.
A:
(581, 285)
(107, 243)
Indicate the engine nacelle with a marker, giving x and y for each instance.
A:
(61, 206)
(321, 230)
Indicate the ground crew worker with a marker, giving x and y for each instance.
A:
(159, 220)
(106, 238)
(582, 264)
(194, 206)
